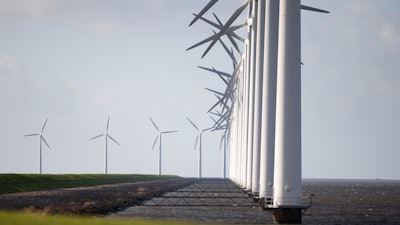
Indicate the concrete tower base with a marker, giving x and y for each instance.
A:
(287, 215)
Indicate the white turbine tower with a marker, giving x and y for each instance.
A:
(159, 135)
(41, 138)
(198, 139)
(223, 146)
(106, 153)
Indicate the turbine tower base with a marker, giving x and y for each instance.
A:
(287, 215)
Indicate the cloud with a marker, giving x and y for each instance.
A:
(137, 17)
(389, 34)
(155, 3)
(32, 9)
(8, 63)
(105, 26)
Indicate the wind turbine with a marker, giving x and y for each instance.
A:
(203, 11)
(159, 135)
(106, 153)
(198, 139)
(41, 138)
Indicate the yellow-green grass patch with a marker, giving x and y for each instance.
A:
(12, 218)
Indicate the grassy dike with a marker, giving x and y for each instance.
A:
(11, 218)
(12, 183)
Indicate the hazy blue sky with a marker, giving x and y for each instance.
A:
(76, 62)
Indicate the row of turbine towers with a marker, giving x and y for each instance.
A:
(260, 109)
(107, 136)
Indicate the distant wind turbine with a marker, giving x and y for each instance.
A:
(159, 135)
(41, 138)
(106, 153)
(198, 139)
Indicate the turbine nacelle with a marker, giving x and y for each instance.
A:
(159, 132)
(200, 131)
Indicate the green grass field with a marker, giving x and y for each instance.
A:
(11, 218)
(11, 183)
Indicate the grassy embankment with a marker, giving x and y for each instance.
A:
(11, 218)
(11, 183)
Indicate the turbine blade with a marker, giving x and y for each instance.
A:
(201, 42)
(219, 26)
(219, 73)
(223, 79)
(226, 28)
(227, 50)
(222, 127)
(215, 71)
(232, 81)
(45, 141)
(217, 96)
(211, 45)
(237, 13)
(203, 11)
(197, 140)
(216, 113)
(29, 135)
(313, 9)
(218, 20)
(155, 141)
(230, 35)
(214, 38)
(108, 122)
(209, 22)
(96, 137)
(44, 125)
(216, 92)
(113, 139)
(233, 28)
(213, 120)
(217, 36)
(194, 125)
(208, 129)
(216, 104)
(217, 124)
(154, 124)
(169, 132)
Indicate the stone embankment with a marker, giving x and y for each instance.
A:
(97, 200)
